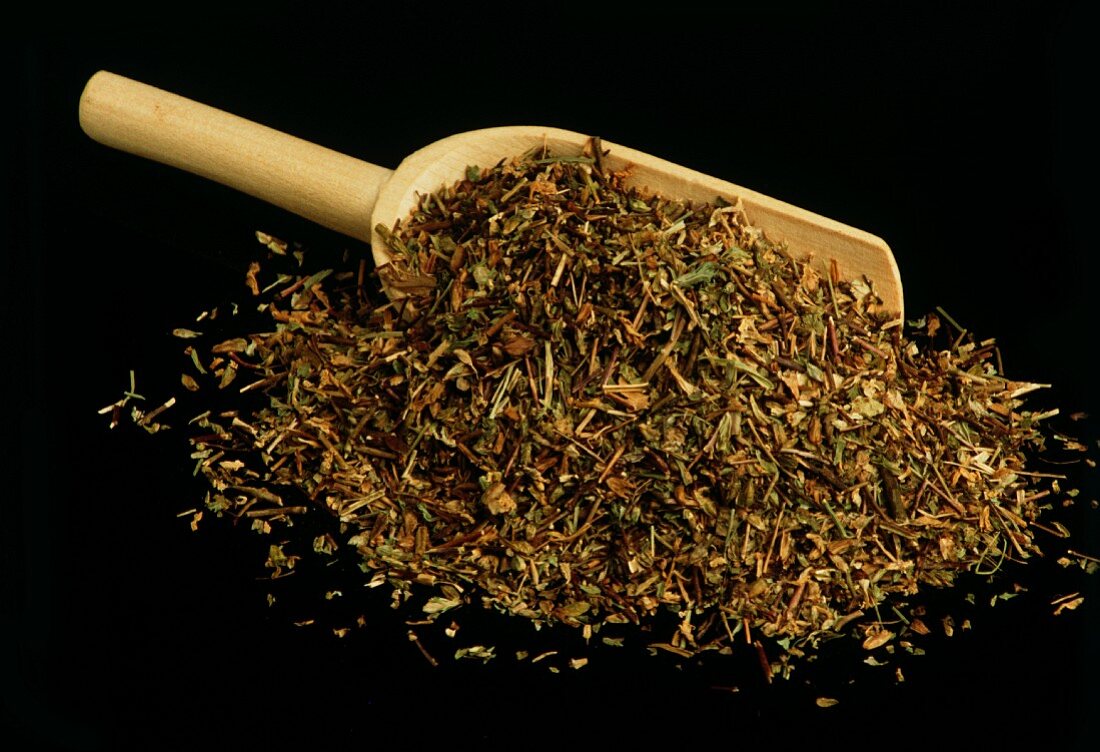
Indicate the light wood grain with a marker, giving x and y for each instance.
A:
(352, 196)
(320, 184)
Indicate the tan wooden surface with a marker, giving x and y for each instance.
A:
(322, 185)
(352, 196)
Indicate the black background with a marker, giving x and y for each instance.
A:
(961, 134)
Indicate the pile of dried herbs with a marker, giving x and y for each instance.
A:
(593, 405)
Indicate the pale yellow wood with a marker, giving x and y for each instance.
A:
(322, 185)
(352, 196)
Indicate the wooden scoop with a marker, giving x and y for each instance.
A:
(352, 196)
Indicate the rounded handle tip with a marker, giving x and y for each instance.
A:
(86, 106)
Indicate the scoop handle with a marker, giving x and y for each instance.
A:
(322, 185)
